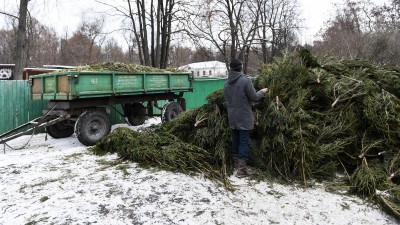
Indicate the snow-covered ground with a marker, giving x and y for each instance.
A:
(59, 181)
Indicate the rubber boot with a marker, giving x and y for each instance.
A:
(243, 170)
(235, 162)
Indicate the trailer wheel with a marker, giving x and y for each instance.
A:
(92, 126)
(62, 129)
(171, 111)
(136, 114)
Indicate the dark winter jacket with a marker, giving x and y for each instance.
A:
(239, 93)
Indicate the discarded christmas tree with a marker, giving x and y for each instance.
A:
(321, 116)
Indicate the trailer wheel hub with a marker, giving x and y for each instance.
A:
(95, 127)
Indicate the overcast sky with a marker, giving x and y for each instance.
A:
(65, 15)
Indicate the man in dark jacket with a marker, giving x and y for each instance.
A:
(239, 92)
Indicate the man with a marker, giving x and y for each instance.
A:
(239, 92)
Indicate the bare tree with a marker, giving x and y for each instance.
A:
(131, 55)
(84, 46)
(41, 43)
(227, 25)
(236, 27)
(7, 45)
(361, 29)
(202, 54)
(279, 20)
(91, 28)
(41, 46)
(113, 52)
(77, 50)
(345, 32)
(63, 49)
(151, 25)
(8, 40)
(179, 56)
(159, 22)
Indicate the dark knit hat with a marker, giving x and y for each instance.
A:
(236, 63)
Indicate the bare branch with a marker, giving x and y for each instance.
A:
(8, 14)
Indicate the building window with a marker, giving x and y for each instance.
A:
(204, 73)
(198, 73)
(210, 73)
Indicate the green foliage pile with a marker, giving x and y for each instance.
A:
(120, 67)
(321, 116)
(157, 148)
(328, 115)
(207, 127)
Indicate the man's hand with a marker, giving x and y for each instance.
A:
(265, 90)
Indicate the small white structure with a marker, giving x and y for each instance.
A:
(214, 69)
(6, 71)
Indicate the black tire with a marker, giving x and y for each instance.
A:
(92, 126)
(136, 114)
(62, 129)
(171, 111)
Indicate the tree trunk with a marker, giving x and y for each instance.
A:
(246, 59)
(233, 29)
(164, 34)
(264, 45)
(152, 26)
(169, 34)
(21, 40)
(143, 31)
(135, 32)
(160, 10)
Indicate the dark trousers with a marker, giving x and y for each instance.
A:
(241, 143)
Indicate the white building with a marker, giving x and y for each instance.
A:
(214, 69)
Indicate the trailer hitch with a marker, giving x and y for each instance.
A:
(36, 125)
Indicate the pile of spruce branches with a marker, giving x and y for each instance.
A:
(325, 115)
(120, 67)
(322, 116)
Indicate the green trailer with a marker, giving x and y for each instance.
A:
(78, 101)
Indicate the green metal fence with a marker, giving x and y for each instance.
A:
(202, 88)
(16, 108)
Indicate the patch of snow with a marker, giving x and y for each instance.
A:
(59, 181)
